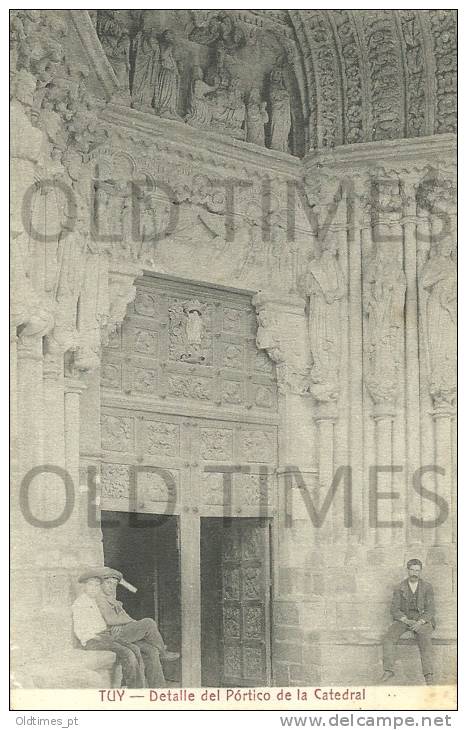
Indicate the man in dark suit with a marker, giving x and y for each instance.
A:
(412, 608)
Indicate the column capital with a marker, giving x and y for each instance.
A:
(326, 411)
(30, 347)
(74, 384)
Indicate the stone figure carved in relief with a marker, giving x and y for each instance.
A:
(439, 282)
(115, 41)
(256, 118)
(384, 290)
(279, 100)
(145, 77)
(168, 81)
(267, 336)
(199, 110)
(228, 109)
(325, 285)
(187, 330)
(226, 103)
(218, 75)
(214, 27)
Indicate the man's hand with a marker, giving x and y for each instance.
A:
(410, 623)
(418, 624)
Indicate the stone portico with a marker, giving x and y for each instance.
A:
(277, 295)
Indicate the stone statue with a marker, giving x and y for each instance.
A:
(325, 285)
(145, 78)
(279, 99)
(168, 82)
(199, 110)
(439, 314)
(256, 118)
(115, 41)
(228, 109)
(218, 74)
(384, 289)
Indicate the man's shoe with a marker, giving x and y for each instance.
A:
(170, 656)
(429, 679)
(387, 676)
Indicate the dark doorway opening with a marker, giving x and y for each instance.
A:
(145, 548)
(235, 602)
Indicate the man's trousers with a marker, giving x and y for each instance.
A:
(423, 639)
(129, 656)
(145, 634)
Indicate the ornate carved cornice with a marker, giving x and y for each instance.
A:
(184, 144)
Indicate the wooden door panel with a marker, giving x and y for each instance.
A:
(245, 603)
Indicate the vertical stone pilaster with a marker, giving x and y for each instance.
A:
(282, 332)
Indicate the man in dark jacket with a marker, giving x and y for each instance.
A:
(412, 608)
(144, 632)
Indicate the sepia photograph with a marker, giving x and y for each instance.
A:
(233, 358)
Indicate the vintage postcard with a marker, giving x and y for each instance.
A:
(233, 359)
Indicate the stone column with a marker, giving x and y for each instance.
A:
(384, 291)
(25, 541)
(438, 321)
(74, 387)
(282, 332)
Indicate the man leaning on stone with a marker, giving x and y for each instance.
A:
(144, 633)
(92, 632)
(413, 609)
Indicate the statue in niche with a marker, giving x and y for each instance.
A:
(199, 110)
(146, 67)
(325, 285)
(225, 100)
(220, 27)
(256, 118)
(384, 289)
(115, 40)
(439, 281)
(279, 100)
(218, 74)
(168, 81)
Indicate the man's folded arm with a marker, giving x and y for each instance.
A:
(110, 616)
(396, 612)
(429, 610)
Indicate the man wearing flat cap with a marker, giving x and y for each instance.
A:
(94, 635)
(412, 609)
(144, 632)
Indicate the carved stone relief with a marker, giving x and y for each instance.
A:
(326, 287)
(159, 438)
(439, 319)
(117, 433)
(383, 302)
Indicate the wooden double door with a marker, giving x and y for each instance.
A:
(189, 430)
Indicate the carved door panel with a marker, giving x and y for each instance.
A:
(246, 603)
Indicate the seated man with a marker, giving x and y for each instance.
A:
(144, 632)
(413, 609)
(93, 634)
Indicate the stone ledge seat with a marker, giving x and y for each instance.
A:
(77, 669)
(355, 656)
